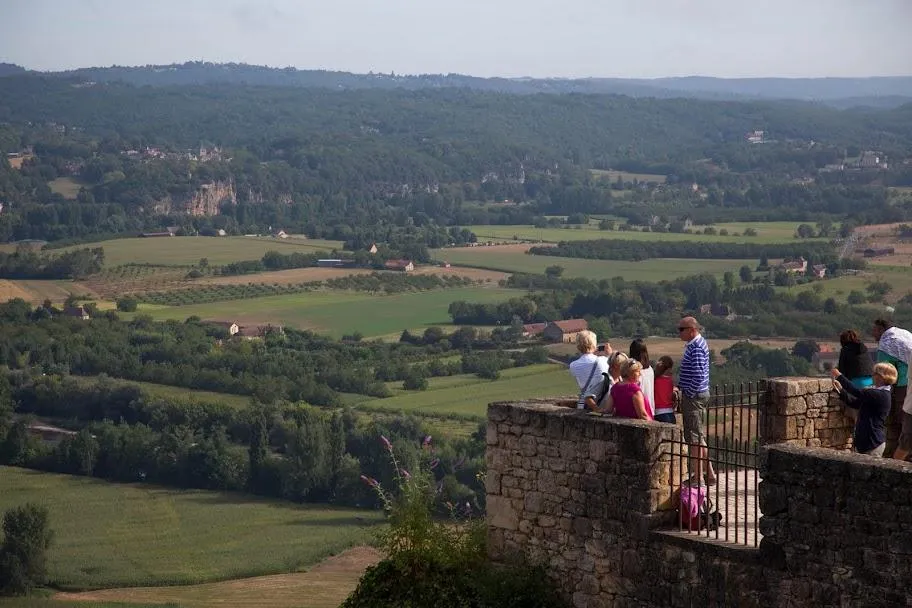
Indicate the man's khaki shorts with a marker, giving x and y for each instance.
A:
(693, 411)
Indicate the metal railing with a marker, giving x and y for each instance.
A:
(730, 511)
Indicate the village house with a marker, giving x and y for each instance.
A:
(77, 312)
(564, 331)
(716, 310)
(281, 234)
(230, 326)
(533, 329)
(372, 249)
(794, 266)
(400, 265)
(819, 270)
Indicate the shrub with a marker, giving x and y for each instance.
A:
(23, 555)
(126, 304)
(441, 563)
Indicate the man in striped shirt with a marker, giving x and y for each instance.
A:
(693, 380)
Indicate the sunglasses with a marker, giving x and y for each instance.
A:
(680, 329)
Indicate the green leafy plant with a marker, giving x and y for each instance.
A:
(440, 562)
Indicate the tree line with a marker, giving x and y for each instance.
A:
(619, 249)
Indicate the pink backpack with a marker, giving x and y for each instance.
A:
(696, 509)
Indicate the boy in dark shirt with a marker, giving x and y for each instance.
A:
(873, 405)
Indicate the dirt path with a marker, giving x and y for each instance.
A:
(326, 585)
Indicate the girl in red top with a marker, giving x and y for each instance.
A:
(664, 391)
(626, 398)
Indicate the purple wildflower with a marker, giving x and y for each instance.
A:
(434, 463)
(427, 442)
(370, 481)
(386, 443)
(405, 474)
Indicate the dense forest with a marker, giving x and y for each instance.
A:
(356, 164)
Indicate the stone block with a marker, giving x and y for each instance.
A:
(533, 502)
(492, 483)
(501, 514)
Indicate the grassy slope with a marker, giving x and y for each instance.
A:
(468, 394)
(338, 313)
(767, 232)
(187, 250)
(648, 270)
(128, 535)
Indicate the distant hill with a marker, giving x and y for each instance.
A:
(10, 69)
(876, 92)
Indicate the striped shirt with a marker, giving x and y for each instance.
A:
(693, 373)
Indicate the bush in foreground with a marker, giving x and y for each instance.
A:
(441, 563)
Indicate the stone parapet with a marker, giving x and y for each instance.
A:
(590, 498)
(807, 412)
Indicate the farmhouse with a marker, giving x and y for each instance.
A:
(372, 248)
(77, 312)
(819, 270)
(281, 234)
(826, 359)
(564, 331)
(230, 326)
(533, 329)
(794, 266)
(716, 310)
(401, 265)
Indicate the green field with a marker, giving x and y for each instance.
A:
(339, 313)
(627, 176)
(166, 391)
(469, 395)
(899, 277)
(767, 232)
(113, 535)
(67, 187)
(660, 269)
(187, 250)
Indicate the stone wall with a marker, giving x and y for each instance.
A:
(840, 524)
(590, 498)
(806, 411)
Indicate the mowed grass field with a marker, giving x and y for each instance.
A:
(188, 250)
(767, 232)
(124, 535)
(467, 394)
(67, 187)
(509, 258)
(339, 313)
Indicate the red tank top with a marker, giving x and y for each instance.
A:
(664, 392)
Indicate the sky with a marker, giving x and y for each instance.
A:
(514, 38)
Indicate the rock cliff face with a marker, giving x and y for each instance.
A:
(204, 202)
(209, 197)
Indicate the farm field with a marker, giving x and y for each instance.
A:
(37, 291)
(626, 176)
(166, 391)
(110, 535)
(512, 258)
(67, 187)
(326, 585)
(900, 277)
(767, 232)
(308, 275)
(673, 347)
(188, 250)
(467, 394)
(338, 313)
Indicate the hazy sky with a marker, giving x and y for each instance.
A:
(627, 38)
